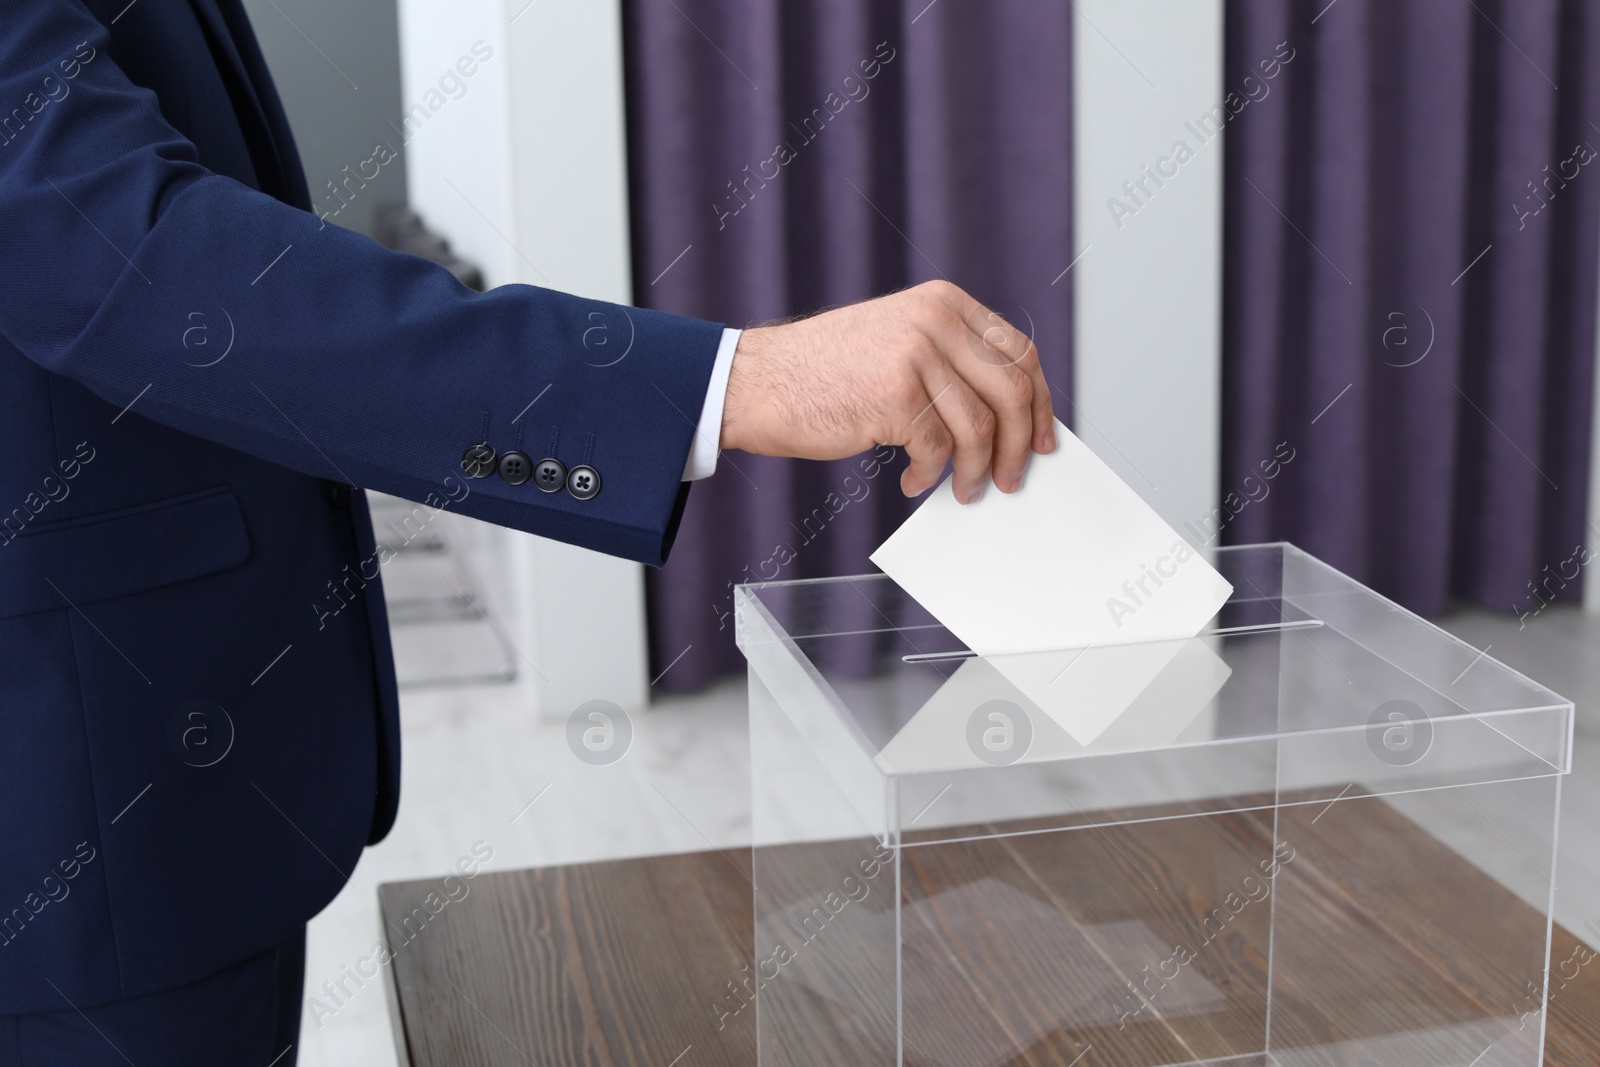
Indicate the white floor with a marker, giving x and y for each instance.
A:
(482, 769)
(475, 757)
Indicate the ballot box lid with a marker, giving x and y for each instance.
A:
(1304, 683)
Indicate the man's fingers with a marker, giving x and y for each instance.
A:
(1002, 365)
(928, 446)
(1008, 395)
(986, 352)
(971, 425)
(1041, 409)
(1001, 345)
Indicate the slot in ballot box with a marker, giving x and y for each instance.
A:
(1226, 850)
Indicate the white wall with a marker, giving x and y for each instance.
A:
(1147, 329)
(525, 174)
(337, 70)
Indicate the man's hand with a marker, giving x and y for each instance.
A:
(929, 368)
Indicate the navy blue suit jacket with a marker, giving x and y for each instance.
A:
(193, 368)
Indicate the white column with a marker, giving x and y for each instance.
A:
(521, 166)
(1591, 534)
(1148, 285)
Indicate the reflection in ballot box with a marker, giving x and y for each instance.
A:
(1180, 852)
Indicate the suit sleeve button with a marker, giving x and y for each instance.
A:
(583, 482)
(478, 461)
(515, 468)
(550, 475)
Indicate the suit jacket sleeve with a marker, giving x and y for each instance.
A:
(344, 360)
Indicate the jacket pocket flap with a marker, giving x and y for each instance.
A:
(97, 557)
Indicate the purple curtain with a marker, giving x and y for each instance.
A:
(1409, 291)
(787, 157)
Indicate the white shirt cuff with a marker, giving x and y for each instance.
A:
(706, 446)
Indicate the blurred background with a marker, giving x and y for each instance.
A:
(1349, 241)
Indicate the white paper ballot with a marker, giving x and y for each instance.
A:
(1073, 559)
(1151, 692)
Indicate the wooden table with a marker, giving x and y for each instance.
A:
(638, 962)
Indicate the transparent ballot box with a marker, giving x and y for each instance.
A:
(1319, 834)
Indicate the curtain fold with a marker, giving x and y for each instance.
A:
(790, 157)
(1410, 244)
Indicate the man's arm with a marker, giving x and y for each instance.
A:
(378, 368)
(348, 361)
